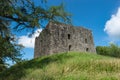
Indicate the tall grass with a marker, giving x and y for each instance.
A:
(66, 66)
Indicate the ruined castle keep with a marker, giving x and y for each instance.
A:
(58, 37)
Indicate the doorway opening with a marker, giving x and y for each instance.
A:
(70, 47)
(87, 49)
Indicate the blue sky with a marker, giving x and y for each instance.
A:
(100, 16)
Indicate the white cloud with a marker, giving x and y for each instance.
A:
(112, 26)
(29, 41)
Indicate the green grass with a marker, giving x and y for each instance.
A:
(66, 66)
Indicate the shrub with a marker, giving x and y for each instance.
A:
(102, 50)
(111, 50)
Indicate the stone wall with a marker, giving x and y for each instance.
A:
(57, 38)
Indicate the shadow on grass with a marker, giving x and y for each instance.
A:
(18, 71)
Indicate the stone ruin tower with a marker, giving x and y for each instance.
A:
(58, 37)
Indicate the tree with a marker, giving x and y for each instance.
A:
(26, 15)
(111, 50)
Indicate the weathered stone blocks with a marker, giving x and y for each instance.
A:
(58, 37)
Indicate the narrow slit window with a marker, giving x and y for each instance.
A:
(86, 41)
(68, 36)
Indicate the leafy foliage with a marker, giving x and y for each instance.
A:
(26, 15)
(112, 50)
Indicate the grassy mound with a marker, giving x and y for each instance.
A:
(66, 66)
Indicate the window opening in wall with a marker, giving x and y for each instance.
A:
(69, 47)
(87, 49)
(90, 38)
(40, 40)
(86, 41)
(68, 36)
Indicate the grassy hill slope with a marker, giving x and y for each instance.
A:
(66, 66)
